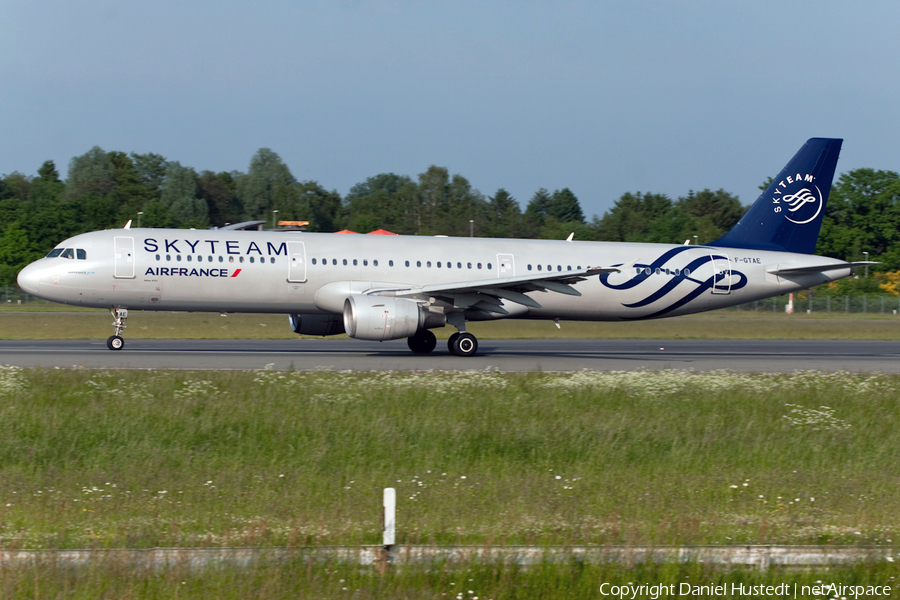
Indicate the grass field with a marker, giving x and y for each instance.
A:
(466, 582)
(143, 459)
(717, 325)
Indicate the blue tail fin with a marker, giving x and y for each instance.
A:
(788, 215)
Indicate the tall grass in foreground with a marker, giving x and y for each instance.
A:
(142, 459)
(469, 582)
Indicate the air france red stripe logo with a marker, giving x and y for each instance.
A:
(236, 273)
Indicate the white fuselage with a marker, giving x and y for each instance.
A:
(312, 273)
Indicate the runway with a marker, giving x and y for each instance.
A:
(505, 355)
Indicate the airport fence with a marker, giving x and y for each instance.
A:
(820, 303)
(13, 294)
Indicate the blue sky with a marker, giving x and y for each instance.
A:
(601, 97)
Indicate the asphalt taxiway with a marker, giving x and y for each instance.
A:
(505, 355)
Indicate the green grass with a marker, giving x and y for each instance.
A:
(297, 579)
(143, 459)
(716, 325)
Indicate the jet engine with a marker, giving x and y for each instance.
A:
(381, 317)
(316, 324)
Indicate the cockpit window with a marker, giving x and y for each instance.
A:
(81, 254)
(68, 253)
(54, 253)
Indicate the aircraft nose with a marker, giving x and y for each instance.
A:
(28, 279)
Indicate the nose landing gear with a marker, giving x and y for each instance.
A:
(116, 342)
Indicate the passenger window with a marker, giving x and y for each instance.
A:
(568, 267)
(459, 265)
(314, 261)
(418, 263)
(489, 266)
(209, 258)
(469, 265)
(345, 262)
(272, 260)
(68, 253)
(374, 263)
(55, 252)
(178, 258)
(540, 268)
(354, 262)
(231, 259)
(365, 262)
(168, 257)
(241, 259)
(428, 264)
(479, 265)
(189, 258)
(439, 264)
(157, 257)
(390, 263)
(559, 267)
(81, 254)
(221, 259)
(252, 259)
(199, 259)
(687, 272)
(529, 267)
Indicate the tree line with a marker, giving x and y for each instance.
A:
(104, 190)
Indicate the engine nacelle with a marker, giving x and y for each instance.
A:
(316, 324)
(381, 317)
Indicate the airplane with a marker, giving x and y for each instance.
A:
(393, 287)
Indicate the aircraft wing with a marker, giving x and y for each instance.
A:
(487, 294)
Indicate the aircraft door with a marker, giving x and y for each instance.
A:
(297, 265)
(721, 273)
(506, 265)
(124, 250)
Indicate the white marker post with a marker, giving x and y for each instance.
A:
(390, 518)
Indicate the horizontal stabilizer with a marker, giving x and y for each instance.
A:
(820, 268)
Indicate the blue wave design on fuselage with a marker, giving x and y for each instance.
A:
(675, 281)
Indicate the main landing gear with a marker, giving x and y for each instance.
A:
(422, 342)
(463, 344)
(460, 343)
(115, 342)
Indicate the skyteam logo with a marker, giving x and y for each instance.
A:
(798, 198)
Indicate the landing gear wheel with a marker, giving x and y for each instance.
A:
(422, 342)
(452, 340)
(465, 345)
(115, 342)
